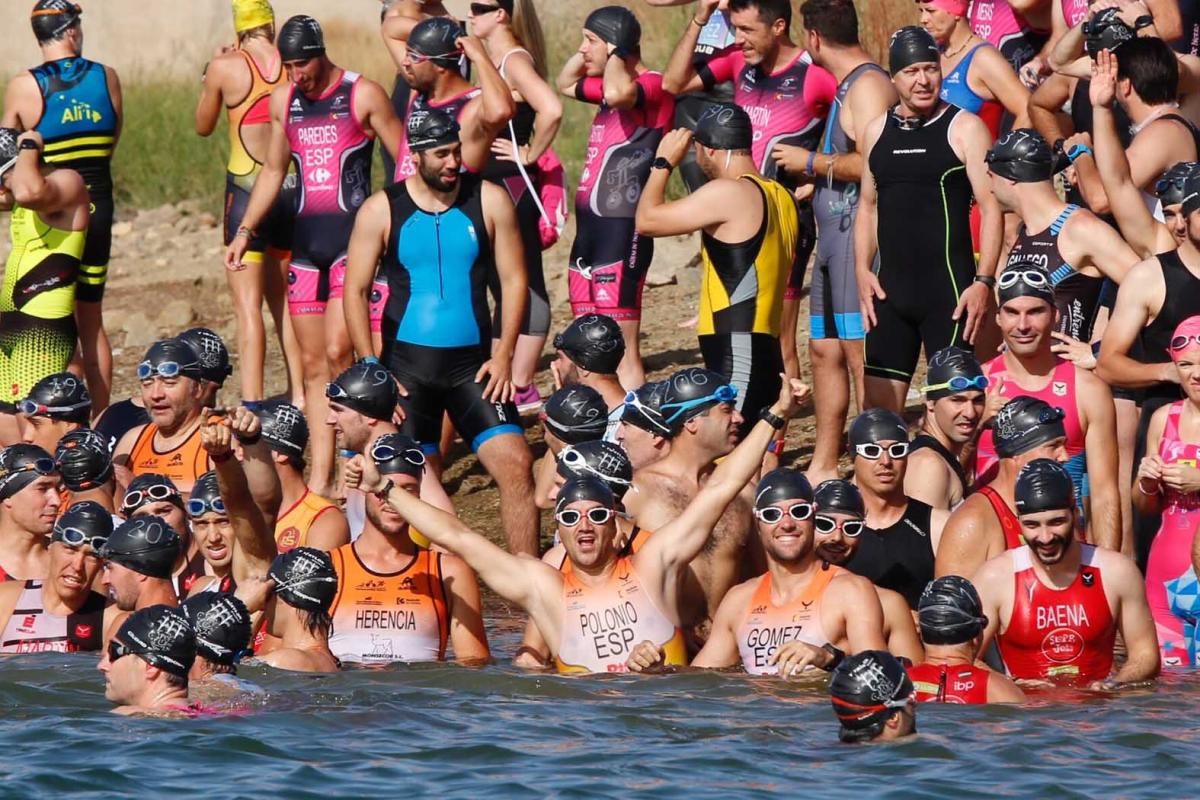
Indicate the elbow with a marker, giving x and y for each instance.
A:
(671, 83)
(553, 112)
(620, 98)
(28, 195)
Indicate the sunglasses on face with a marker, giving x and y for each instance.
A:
(198, 506)
(851, 528)
(570, 517)
(382, 453)
(874, 452)
(773, 514)
(960, 383)
(74, 537)
(151, 494)
(1030, 277)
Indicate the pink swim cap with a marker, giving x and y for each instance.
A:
(1187, 336)
(956, 7)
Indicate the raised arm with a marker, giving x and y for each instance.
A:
(487, 114)
(707, 207)
(569, 78)
(680, 75)
(253, 540)
(1045, 106)
(372, 227)
(258, 463)
(620, 81)
(212, 92)
(1131, 313)
(547, 105)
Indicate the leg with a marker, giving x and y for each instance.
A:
(96, 352)
(246, 287)
(831, 404)
(1127, 421)
(275, 291)
(508, 460)
(307, 305)
(630, 371)
(892, 349)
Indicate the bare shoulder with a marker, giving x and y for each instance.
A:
(739, 596)
(1116, 565)
(892, 602)
(852, 585)
(993, 571)
(967, 517)
(455, 567)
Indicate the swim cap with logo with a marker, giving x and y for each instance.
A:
(1021, 155)
(398, 454)
(8, 149)
(1170, 187)
(83, 459)
(221, 624)
(840, 497)
(366, 388)
(782, 484)
(284, 429)
(1043, 485)
(1106, 31)
(178, 352)
(950, 611)
(910, 45)
(20, 465)
(948, 364)
(690, 393)
(1191, 192)
(148, 545)
(643, 408)
(161, 636)
(1025, 422)
(305, 579)
(429, 129)
(300, 39)
(1024, 278)
(586, 488)
(251, 14)
(210, 351)
(150, 488)
(865, 690)
(61, 396)
(725, 126)
(593, 342)
(877, 425)
(88, 517)
(599, 459)
(50, 18)
(575, 414)
(436, 39)
(616, 25)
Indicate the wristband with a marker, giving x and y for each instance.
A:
(811, 166)
(1077, 151)
(662, 163)
(774, 420)
(838, 656)
(1142, 489)
(28, 144)
(248, 440)
(221, 459)
(373, 360)
(698, 23)
(244, 231)
(987, 280)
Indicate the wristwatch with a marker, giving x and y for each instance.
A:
(838, 656)
(662, 163)
(28, 144)
(774, 420)
(987, 280)
(387, 487)
(1077, 151)
(1144, 21)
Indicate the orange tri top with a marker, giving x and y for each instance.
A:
(255, 109)
(183, 464)
(602, 624)
(293, 525)
(767, 627)
(382, 618)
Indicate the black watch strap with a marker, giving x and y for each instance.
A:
(986, 280)
(775, 421)
(28, 144)
(387, 487)
(662, 163)
(838, 656)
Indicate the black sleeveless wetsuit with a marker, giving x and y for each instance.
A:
(899, 557)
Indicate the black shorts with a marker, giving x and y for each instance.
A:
(917, 313)
(93, 265)
(441, 380)
(276, 230)
(806, 242)
(609, 264)
(751, 362)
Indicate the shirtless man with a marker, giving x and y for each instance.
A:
(295, 597)
(587, 627)
(29, 504)
(139, 558)
(937, 474)
(1054, 606)
(588, 352)
(643, 432)
(986, 525)
(802, 613)
(169, 444)
(155, 681)
(61, 613)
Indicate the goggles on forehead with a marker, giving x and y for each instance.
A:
(723, 394)
(960, 383)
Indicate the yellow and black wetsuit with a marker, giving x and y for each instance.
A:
(741, 301)
(242, 169)
(37, 304)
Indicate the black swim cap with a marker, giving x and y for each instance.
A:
(161, 636)
(366, 388)
(585, 488)
(221, 624)
(52, 18)
(691, 392)
(951, 364)
(1022, 155)
(84, 459)
(599, 459)
(206, 496)
(175, 352)
(910, 45)
(783, 483)
(1170, 187)
(398, 454)
(431, 128)
(1024, 278)
(148, 545)
(1191, 193)
(643, 408)
(616, 25)
(1043, 485)
(950, 611)
(1025, 422)
(89, 517)
(150, 488)
(865, 690)
(725, 126)
(284, 429)
(593, 342)
(300, 39)
(211, 352)
(838, 496)
(575, 414)
(1106, 31)
(436, 39)
(20, 465)
(61, 396)
(305, 579)
(8, 149)
(877, 425)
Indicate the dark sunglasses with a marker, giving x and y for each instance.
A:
(773, 514)
(570, 517)
(851, 527)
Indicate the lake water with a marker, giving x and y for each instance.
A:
(442, 730)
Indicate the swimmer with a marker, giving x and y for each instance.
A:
(954, 399)
(30, 500)
(572, 415)
(139, 558)
(643, 431)
(56, 405)
(213, 356)
(154, 681)
(589, 352)
(873, 698)
(295, 597)
(84, 461)
(156, 495)
(221, 623)
(952, 624)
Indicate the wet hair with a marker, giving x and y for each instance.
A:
(1150, 66)
(317, 623)
(768, 10)
(835, 20)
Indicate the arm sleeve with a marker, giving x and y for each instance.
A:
(721, 67)
(590, 90)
